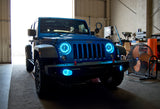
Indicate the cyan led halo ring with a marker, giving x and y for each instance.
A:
(120, 67)
(67, 72)
(109, 47)
(65, 48)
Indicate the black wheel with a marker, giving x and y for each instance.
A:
(29, 66)
(28, 52)
(112, 80)
(40, 79)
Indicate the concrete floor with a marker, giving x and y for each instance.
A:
(5, 78)
(146, 91)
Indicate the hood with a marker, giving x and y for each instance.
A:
(72, 37)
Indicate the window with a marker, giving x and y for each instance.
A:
(63, 26)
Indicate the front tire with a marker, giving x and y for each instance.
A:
(28, 53)
(29, 66)
(112, 80)
(40, 80)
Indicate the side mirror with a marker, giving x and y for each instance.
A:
(31, 32)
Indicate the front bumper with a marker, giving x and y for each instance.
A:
(86, 70)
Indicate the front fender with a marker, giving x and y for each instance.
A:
(46, 51)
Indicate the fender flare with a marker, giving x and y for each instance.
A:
(46, 51)
(121, 50)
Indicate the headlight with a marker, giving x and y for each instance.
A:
(109, 47)
(65, 48)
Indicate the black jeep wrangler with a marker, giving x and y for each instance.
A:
(64, 51)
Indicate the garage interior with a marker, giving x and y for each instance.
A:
(131, 16)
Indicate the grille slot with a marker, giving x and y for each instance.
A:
(99, 50)
(89, 51)
(85, 50)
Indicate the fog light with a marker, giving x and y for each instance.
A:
(67, 72)
(120, 67)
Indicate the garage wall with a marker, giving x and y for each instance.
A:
(128, 15)
(94, 10)
(156, 16)
(5, 39)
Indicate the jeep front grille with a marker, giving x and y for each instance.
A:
(88, 51)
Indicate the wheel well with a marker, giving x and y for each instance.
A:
(122, 50)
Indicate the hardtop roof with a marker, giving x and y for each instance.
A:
(60, 18)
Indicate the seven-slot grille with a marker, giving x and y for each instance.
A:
(89, 51)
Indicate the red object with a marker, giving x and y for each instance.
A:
(95, 80)
(158, 51)
(113, 60)
(152, 43)
(75, 62)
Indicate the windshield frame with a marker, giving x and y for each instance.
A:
(64, 22)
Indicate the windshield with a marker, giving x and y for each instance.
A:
(63, 26)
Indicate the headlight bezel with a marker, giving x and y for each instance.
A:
(109, 47)
(65, 48)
